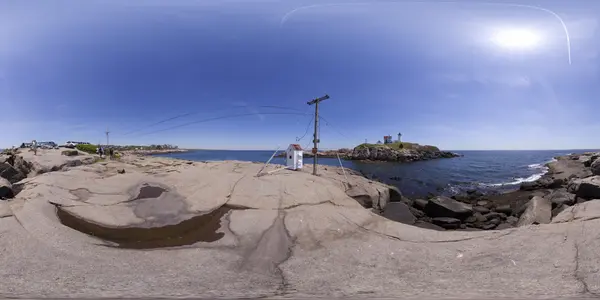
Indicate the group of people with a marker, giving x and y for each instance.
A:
(102, 151)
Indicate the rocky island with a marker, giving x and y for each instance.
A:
(81, 226)
(393, 152)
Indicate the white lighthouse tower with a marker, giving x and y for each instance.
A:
(399, 137)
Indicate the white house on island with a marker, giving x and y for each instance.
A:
(293, 157)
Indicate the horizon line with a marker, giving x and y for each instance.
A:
(574, 149)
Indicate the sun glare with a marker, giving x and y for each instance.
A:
(516, 38)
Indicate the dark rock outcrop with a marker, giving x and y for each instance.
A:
(6, 189)
(10, 173)
(595, 166)
(441, 206)
(560, 197)
(546, 182)
(586, 188)
(399, 212)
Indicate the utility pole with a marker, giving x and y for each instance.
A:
(107, 132)
(315, 135)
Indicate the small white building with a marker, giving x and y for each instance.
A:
(293, 157)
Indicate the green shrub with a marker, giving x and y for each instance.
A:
(87, 148)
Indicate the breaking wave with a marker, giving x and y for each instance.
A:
(543, 169)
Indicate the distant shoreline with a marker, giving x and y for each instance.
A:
(155, 151)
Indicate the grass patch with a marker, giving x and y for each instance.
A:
(87, 148)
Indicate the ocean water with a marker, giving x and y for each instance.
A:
(487, 171)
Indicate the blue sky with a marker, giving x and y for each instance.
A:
(434, 71)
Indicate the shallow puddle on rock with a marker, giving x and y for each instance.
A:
(149, 191)
(201, 228)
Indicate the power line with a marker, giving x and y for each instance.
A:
(194, 113)
(307, 128)
(220, 118)
(333, 127)
(159, 122)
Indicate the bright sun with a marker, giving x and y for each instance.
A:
(516, 38)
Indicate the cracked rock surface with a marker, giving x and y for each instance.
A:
(283, 234)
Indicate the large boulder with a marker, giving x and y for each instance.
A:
(560, 197)
(441, 206)
(595, 167)
(374, 195)
(22, 165)
(399, 212)
(6, 190)
(586, 188)
(538, 211)
(10, 173)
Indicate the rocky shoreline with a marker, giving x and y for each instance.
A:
(570, 180)
(154, 152)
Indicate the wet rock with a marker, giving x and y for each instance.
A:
(495, 221)
(587, 188)
(495, 215)
(538, 211)
(504, 209)
(480, 218)
(399, 212)
(6, 190)
(121, 171)
(484, 203)
(417, 213)
(481, 210)
(420, 203)
(471, 219)
(541, 183)
(441, 206)
(404, 200)
(447, 223)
